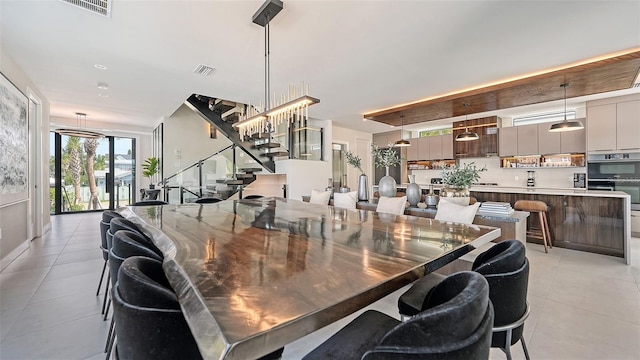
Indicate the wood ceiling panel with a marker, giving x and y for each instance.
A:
(606, 75)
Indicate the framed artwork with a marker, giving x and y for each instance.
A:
(213, 132)
(14, 162)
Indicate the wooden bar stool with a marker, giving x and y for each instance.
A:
(540, 207)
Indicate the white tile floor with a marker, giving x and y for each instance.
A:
(584, 306)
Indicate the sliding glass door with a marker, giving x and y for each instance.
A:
(91, 174)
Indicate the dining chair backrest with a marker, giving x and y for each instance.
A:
(150, 203)
(126, 244)
(207, 200)
(148, 319)
(455, 323)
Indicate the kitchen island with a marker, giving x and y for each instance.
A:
(588, 220)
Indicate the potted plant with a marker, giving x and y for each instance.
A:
(363, 187)
(386, 158)
(458, 179)
(150, 167)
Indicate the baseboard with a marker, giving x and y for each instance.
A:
(5, 261)
(46, 228)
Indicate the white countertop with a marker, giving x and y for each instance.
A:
(536, 190)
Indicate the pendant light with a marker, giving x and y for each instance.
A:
(80, 130)
(467, 135)
(566, 125)
(402, 142)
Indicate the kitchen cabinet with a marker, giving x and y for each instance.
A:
(431, 148)
(486, 145)
(447, 146)
(561, 142)
(548, 142)
(528, 140)
(574, 141)
(412, 151)
(601, 134)
(508, 141)
(614, 126)
(628, 125)
(435, 147)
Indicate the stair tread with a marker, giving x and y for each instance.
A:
(277, 153)
(234, 182)
(259, 136)
(245, 176)
(249, 170)
(268, 145)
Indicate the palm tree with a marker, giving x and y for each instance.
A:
(90, 146)
(75, 169)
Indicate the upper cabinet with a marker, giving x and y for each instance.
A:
(508, 141)
(628, 125)
(528, 140)
(568, 142)
(431, 148)
(486, 145)
(614, 125)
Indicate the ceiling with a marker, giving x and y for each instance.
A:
(357, 56)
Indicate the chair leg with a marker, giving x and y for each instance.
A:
(106, 312)
(106, 292)
(104, 267)
(111, 333)
(548, 229)
(524, 347)
(544, 234)
(112, 344)
(507, 345)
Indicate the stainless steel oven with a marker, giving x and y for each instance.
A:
(616, 172)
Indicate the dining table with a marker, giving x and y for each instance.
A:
(254, 275)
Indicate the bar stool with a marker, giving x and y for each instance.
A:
(540, 207)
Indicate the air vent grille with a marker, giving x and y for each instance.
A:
(102, 7)
(203, 70)
(636, 85)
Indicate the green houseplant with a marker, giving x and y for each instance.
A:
(150, 168)
(386, 158)
(457, 180)
(363, 185)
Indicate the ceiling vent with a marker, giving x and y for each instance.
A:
(203, 70)
(102, 7)
(636, 85)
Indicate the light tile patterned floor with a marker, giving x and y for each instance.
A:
(583, 306)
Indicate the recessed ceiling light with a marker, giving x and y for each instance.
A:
(103, 95)
(100, 67)
(103, 86)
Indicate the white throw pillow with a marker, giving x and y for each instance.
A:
(320, 197)
(345, 200)
(448, 211)
(392, 205)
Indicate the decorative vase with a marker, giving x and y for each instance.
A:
(414, 193)
(455, 194)
(387, 185)
(363, 188)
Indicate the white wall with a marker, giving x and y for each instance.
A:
(186, 140)
(14, 218)
(304, 176)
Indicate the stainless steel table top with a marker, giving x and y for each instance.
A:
(255, 275)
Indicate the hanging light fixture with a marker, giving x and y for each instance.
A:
(293, 105)
(402, 142)
(467, 135)
(79, 131)
(566, 125)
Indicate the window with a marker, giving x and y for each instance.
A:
(436, 132)
(543, 118)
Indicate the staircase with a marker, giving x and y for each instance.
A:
(223, 114)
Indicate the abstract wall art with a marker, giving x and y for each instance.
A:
(14, 144)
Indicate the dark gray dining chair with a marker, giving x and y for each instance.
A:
(506, 269)
(455, 323)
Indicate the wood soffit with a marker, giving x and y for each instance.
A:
(615, 73)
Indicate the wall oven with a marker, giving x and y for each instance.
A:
(616, 172)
